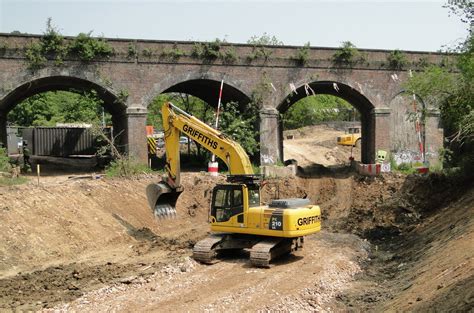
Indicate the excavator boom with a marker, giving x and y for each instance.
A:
(162, 196)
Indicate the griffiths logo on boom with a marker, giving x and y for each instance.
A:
(198, 136)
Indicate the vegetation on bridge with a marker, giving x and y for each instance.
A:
(52, 45)
(453, 93)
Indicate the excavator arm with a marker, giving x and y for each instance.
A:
(162, 197)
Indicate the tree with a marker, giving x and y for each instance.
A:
(316, 109)
(453, 92)
(49, 108)
(236, 120)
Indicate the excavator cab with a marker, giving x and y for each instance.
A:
(230, 202)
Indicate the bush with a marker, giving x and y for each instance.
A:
(208, 50)
(53, 45)
(4, 161)
(396, 60)
(89, 48)
(347, 54)
(173, 53)
(230, 55)
(302, 55)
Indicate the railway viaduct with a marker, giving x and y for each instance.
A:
(277, 76)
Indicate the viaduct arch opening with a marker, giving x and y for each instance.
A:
(208, 91)
(110, 102)
(343, 91)
(198, 97)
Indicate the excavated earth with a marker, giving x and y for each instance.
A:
(90, 244)
(391, 243)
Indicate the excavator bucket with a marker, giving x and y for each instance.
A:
(162, 200)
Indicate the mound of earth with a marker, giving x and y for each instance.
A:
(389, 243)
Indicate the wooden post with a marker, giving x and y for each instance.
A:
(38, 172)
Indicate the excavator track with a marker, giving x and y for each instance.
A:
(204, 250)
(267, 250)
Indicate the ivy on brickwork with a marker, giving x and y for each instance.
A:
(53, 46)
(122, 96)
(262, 90)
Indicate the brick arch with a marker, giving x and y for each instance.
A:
(404, 138)
(59, 82)
(204, 86)
(351, 95)
(66, 83)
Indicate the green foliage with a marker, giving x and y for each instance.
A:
(259, 43)
(126, 168)
(347, 55)
(89, 48)
(34, 55)
(264, 40)
(316, 109)
(207, 50)
(5, 181)
(236, 121)
(49, 108)
(52, 45)
(259, 52)
(173, 53)
(302, 54)
(453, 93)
(122, 96)
(4, 160)
(256, 168)
(423, 62)
(132, 51)
(396, 60)
(262, 89)
(239, 124)
(147, 52)
(230, 55)
(405, 168)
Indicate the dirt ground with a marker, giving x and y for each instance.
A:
(90, 244)
(317, 145)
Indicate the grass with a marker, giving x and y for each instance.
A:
(126, 168)
(4, 181)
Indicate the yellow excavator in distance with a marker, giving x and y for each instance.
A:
(237, 218)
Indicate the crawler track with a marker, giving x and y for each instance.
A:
(204, 251)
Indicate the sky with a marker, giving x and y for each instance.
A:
(422, 25)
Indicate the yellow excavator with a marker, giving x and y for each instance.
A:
(238, 220)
